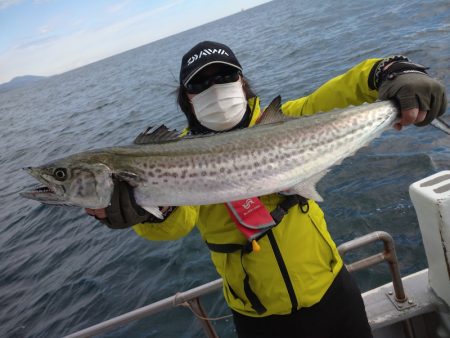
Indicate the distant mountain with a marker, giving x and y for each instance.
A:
(20, 81)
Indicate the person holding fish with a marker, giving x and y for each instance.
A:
(282, 274)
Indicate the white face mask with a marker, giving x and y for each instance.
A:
(221, 106)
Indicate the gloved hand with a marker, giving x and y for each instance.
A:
(123, 212)
(410, 86)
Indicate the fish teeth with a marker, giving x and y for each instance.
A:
(44, 189)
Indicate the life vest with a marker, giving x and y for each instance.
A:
(254, 224)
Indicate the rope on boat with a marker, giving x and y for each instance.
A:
(186, 304)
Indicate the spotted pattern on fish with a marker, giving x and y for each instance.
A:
(222, 167)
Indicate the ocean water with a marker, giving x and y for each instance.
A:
(62, 271)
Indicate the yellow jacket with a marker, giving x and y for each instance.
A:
(299, 260)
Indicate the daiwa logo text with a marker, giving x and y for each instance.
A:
(206, 52)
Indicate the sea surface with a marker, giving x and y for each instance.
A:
(62, 271)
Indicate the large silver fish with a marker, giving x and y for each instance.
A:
(277, 155)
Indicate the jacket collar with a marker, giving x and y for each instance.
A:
(255, 109)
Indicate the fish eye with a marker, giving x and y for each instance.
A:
(60, 174)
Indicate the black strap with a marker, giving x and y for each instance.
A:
(283, 208)
(374, 79)
(283, 270)
(401, 67)
(229, 248)
(251, 296)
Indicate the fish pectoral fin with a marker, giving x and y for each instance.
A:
(154, 211)
(129, 177)
(308, 188)
(140, 199)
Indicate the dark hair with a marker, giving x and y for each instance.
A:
(186, 106)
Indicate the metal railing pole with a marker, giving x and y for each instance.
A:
(148, 310)
(389, 255)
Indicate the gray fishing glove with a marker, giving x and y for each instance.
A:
(411, 87)
(123, 212)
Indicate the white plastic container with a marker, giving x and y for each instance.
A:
(431, 199)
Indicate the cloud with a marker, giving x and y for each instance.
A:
(40, 41)
(8, 3)
(53, 51)
(52, 54)
(40, 2)
(44, 29)
(117, 7)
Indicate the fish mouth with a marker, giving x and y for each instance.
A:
(44, 195)
(46, 192)
(43, 189)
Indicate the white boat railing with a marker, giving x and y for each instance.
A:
(191, 297)
(388, 255)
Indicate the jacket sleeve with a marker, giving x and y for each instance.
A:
(178, 224)
(350, 88)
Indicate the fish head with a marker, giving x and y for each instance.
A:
(84, 184)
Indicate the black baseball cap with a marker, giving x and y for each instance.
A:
(204, 54)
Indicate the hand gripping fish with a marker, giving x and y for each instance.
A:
(278, 154)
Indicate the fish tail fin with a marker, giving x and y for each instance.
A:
(441, 125)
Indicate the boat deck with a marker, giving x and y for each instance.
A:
(423, 310)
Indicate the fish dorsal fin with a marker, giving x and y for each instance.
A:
(272, 113)
(161, 134)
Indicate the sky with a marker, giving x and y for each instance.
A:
(48, 37)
